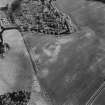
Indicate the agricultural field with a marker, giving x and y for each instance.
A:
(56, 69)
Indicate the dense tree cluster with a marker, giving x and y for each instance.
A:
(15, 98)
(33, 15)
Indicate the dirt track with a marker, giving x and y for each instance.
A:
(16, 71)
(91, 16)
